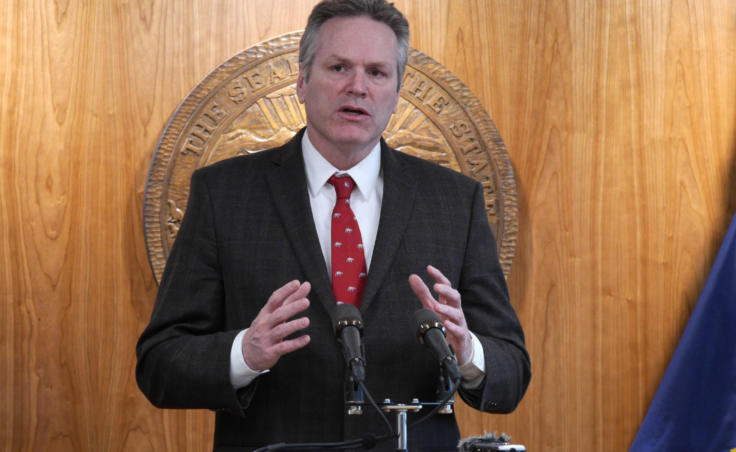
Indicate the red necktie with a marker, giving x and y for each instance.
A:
(348, 259)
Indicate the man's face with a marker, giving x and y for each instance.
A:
(351, 92)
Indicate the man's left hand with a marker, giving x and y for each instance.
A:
(448, 308)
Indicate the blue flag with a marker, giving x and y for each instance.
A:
(694, 408)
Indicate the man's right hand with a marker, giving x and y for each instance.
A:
(263, 342)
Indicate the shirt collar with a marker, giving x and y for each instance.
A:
(365, 173)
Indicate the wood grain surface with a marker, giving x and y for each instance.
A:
(620, 119)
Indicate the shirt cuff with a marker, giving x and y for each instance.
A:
(240, 374)
(474, 370)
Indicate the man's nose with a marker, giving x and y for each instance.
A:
(357, 84)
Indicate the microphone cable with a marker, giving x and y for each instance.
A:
(455, 387)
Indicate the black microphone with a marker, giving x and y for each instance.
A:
(349, 330)
(431, 332)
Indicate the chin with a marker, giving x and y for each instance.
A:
(355, 137)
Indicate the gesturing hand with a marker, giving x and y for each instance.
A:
(448, 308)
(263, 342)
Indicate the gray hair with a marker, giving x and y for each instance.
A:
(378, 10)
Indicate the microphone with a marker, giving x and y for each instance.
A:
(349, 330)
(431, 332)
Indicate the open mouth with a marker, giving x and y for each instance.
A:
(353, 111)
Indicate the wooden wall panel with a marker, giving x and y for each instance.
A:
(620, 118)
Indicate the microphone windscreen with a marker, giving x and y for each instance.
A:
(424, 319)
(347, 314)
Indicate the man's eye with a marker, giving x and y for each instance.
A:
(377, 73)
(338, 68)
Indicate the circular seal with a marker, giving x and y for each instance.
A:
(249, 104)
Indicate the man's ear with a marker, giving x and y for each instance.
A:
(300, 85)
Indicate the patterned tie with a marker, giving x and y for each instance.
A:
(348, 260)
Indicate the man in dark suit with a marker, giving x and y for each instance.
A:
(244, 322)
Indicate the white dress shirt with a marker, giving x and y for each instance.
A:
(365, 201)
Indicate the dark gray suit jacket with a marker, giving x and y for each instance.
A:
(248, 229)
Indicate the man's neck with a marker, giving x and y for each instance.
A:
(341, 157)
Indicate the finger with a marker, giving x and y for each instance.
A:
(447, 295)
(285, 329)
(279, 295)
(437, 275)
(291, 345)
(294, 303)
(455, 330)
(301, 292)
(287, 311)
(422, 292)
(461, 341)
(443, 287)
(450, 313)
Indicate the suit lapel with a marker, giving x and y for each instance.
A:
(399, 189)
(288, 186)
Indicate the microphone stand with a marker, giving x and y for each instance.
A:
(446, 399)
(400, 409)
(446, 390)
(353, 392)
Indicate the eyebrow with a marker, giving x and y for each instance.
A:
(334, 58)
